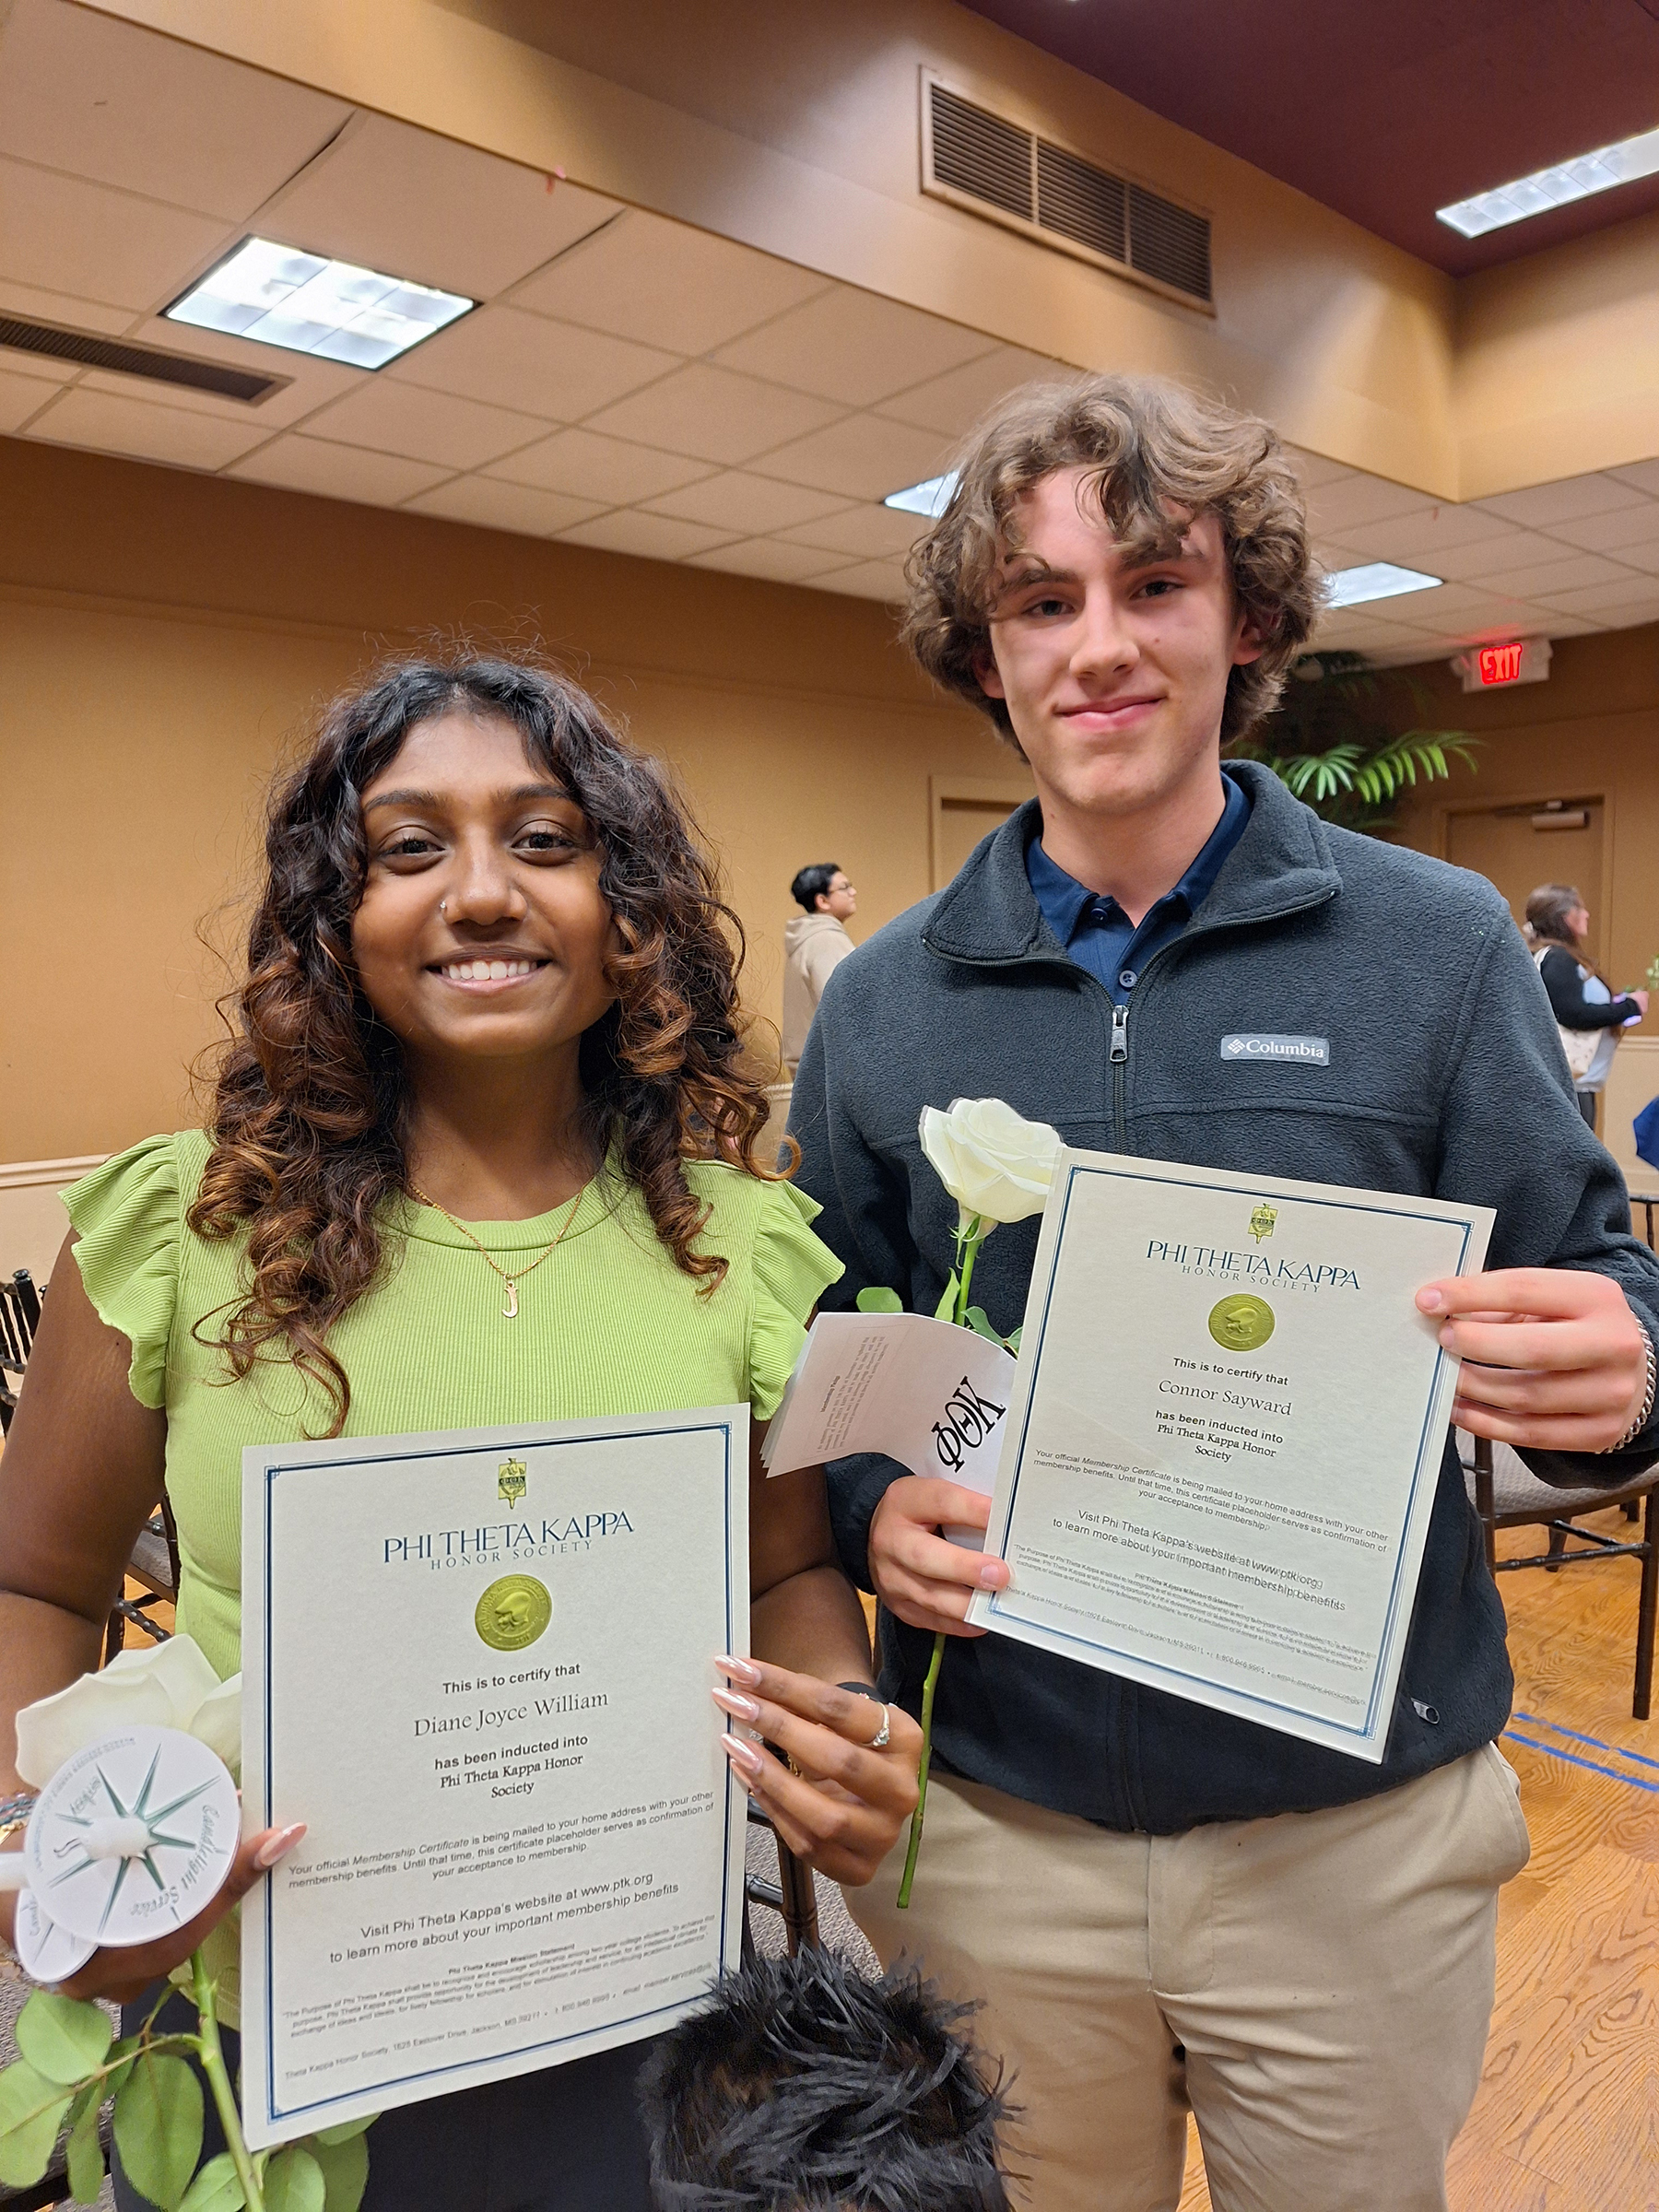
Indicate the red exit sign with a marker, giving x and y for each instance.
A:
(1501, 664)
(1515, 661)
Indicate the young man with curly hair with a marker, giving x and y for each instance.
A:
(1161, 1903)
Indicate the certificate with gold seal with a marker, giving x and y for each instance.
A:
(477, 1666)
(1225, 1436)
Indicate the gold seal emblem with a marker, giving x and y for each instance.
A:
(1263, 1219)
(512, 1481)
(1242, 1324)
(513, 1612)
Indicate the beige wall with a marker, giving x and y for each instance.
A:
(163, 637)
(1591, 729)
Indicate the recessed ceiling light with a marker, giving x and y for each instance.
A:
(1375, 580)
(931, 497)
(279, 296)
(1548, 188)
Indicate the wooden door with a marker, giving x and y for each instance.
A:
(1510, 848)
(966, 808)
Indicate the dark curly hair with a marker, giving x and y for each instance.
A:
(310, 1097)
(803, 2087)
(1157, 456)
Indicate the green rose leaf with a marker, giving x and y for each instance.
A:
(63, 2038)
(344, 2171)
(216, 2188)
(85, 2159)
(345, 2131)
(879, 1300)
(1012, 1341)
(945, 1309)
(979, 1321)
(293, 2182)
(32, 2112)
(158, 2129)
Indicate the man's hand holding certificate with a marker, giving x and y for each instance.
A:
(1226, 1437)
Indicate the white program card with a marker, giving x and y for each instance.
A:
(478, 1665)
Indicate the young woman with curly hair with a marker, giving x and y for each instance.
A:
(481, 1150)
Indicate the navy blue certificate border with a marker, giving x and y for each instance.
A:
(1362, 1732)
(501, 1441)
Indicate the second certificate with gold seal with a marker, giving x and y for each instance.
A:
(1226, 1435)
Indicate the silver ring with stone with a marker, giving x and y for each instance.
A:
(879, 1743)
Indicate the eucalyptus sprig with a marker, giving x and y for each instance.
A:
(72, 2065)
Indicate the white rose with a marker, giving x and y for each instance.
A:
(996, 1165)
(168, 1685)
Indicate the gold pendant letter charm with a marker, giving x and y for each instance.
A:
(510, 1310)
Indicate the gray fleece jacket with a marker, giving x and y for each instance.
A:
(1445, 1078)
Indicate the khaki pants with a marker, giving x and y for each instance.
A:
(1329, 1976)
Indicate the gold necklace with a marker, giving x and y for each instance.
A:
(510, 1310)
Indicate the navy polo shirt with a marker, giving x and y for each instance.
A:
(1097, 932)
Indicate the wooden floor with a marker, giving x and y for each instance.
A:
(1566, 2119)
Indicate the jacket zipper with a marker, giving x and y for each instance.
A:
(1119, 1061)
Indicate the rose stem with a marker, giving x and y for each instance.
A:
(928, 1687)
(219, 2081)
(969, 1241)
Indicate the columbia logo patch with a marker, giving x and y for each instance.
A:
(1265, 1045)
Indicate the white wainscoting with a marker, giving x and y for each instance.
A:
(32, 1221)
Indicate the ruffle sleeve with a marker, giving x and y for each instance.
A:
(127, 1214)
(793, 1268)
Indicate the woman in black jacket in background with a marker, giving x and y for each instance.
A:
(1557, 925)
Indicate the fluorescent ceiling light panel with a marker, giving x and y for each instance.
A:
(279, 296)
(930, 499)
(1376, 580)
(1557, 187)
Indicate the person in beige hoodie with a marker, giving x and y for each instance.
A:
(814, 943)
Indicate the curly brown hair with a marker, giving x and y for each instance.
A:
(1158, 456)
(311, 1097)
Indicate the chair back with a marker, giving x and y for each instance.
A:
(20, 1318)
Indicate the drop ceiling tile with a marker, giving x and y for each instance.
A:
(424, 425)
(1484, 557)
(1342, 505)
(497, 506)
(732, 500)
(1313, 468)
(103, 100)
(1542, 580)
(511, 360)
(338, 472)
(666, 284)
(870, 530)
(60, 233)
(21, 396)
(1645, 558)
(868, 580)
(410, 204)
(951, 404)
(1542, 506)
(1595, 601)
(66, 308)
(1643, 474)
(1635, 617)
(713, 413)
(1635, 525)
(606, 470)
(1458, 606)
(1419, 539)
(653, 536)
(39, 368)
(771, 558)
(115, 424)
(1571, 626)
(851, 346)
(864, 457)
(304, 382)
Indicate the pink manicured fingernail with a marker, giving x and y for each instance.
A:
(740, 1670)
(740, 1708)
(275, 1847)
(993, 1574)
(744, 1756)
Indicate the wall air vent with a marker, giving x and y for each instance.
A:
(981, 161)
(91, 349)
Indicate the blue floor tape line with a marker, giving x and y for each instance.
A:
(1536, 1720)
(1632, 1782)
